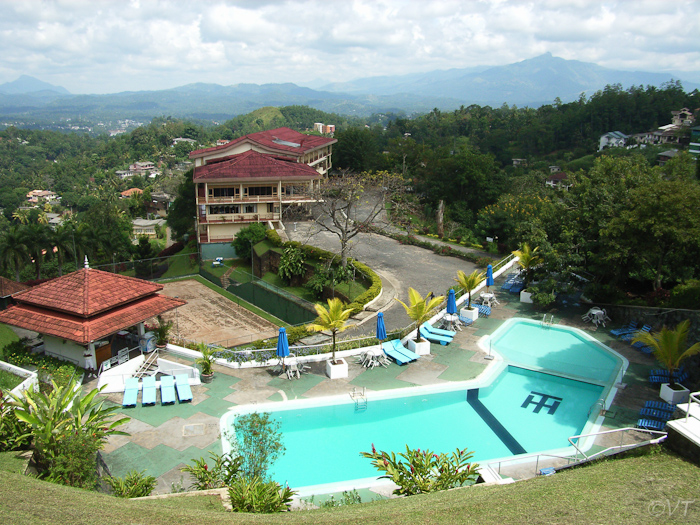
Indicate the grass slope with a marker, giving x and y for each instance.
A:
(632, 490)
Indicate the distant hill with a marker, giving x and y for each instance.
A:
(26, 85)
(532, 82)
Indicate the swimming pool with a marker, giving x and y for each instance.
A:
(514, 411)
(558, 349)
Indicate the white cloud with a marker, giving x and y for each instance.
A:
(107, 46)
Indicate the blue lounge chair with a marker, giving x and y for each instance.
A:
(484, 311)
(629, 337)
(660, 405)
(390, 350)
(148, 396)
(661, 415)
(657, 380)
(465, 320)
(396, 343)
(184, 392)
(631, 327)
(131, 392)
(438, 331)
(167, 390)
(434, 338)
(517, 287)
(651, 424)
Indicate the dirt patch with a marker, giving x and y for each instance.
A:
(211, 318)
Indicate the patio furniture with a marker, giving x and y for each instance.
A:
(148, 396)
(651, 424)
(660, 405)
(434, 338)
(397, 352)
(438, 331)
(629, 328)
(292, 371)
(167, 390)
(131, 392)
(465, 320)
(629, 337)
(182, 384)
(661, 415)
(488, 299)
(484, 311)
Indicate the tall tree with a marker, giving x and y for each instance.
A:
(13, 251)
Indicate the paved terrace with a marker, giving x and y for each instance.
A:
(165, 438)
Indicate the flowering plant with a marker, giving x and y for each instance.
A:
(422, 471)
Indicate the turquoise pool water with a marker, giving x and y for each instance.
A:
(521, 411)
(557, 349)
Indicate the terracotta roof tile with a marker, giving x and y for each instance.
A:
(82, 330)
(9, 287)
(254, 165)
(283, 139)
(87, 292)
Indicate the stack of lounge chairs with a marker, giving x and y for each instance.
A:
(436, 335)
(398, 352)
(484, 311)
(627, 329)
(511, 280)
(658, 376)
(628, 337)
(655, 414)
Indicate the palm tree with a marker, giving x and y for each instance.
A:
(13, 251)
(36, 239)
(420, 308)
(528, 259)
(469, 282)
(62, 240)
(333, 318)
(670, 347)
(22, 216)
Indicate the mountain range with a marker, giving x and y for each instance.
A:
(531, 82)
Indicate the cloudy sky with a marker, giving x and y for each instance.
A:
(107, 46)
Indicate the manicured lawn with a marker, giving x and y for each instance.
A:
(642, 489)
(180, 263)
(7, 335)
(8, 381)
(299, 291)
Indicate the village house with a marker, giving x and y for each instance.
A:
(35, 196)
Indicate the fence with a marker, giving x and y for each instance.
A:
(156, 268)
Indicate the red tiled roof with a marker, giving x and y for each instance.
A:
(131, 191)
(254, 165)
(281, 139)
(9, 287)
(87, 292)
(82, 330)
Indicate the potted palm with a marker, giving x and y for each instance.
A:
(332, 319)
(528, 260)
(420, 310)
(670, 347)
(469, 283)
(206, 363)
(162, 331)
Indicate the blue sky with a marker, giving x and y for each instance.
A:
(103, 46)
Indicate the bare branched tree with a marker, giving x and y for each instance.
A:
(349, 203)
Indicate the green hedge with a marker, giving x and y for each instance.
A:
(48, 368)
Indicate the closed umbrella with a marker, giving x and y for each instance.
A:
(489, 277)
(381, 329)
(282, 345)
(451, 303)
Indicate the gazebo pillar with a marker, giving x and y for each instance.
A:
(142, 329)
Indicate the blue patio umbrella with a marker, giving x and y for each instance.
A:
(489, 276)
(282, 344)
(451, 303)
(381, 329)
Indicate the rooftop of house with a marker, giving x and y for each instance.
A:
(558, 176)
(282, 139)
(9, 287)
(131, 191)
(252, 165)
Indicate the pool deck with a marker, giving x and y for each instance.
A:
(165, 438)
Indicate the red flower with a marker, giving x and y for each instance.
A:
(206, 467)
(386, 463)
(374, 450)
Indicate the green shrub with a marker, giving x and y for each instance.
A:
(274, 237)
(258, 442)
(348, 498)
(223, 473)
(258, 496)
(75, 460)
(686, 295)
(14, 434)
(48, 368)
(420, 472)
(134, 485)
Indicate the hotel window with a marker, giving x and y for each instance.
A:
(254, 191)
(250, 208)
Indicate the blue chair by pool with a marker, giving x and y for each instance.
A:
(661, 415)
(434, 338)
(631, 327)
(657, 380)
(651, 424)
(148, 396)
(182, 384)
(131, 392)
(396, 351)
(167, 390)
(484, 311)
(630, 336)
(660, 405)
(438, 331)
(517, 287)
(465, 320)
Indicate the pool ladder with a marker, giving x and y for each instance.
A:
(360, 398)
(600, 402)
(545, 323)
